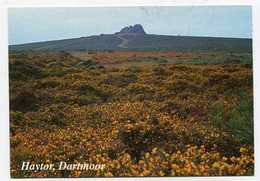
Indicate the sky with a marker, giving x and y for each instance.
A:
(26, 25)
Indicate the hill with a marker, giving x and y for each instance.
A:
(134, 38)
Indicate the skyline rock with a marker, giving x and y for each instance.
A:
(136, 29)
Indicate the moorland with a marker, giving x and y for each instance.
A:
(152, 112)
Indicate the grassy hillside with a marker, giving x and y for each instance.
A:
(142, 43)
(103, 42)
(190, 44)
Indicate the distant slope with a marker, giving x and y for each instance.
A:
(101, 42)
(141, 42)
(188, 43)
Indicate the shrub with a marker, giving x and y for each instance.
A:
(23, 100)
(217, 79)
(86, 63)
(140, 89)
(16, 121)
(113, 70)
(161, 61)
(179, 86)
(88, 98)
(133, 69)
(49, 83)
(88, 94)
(138, 139)
(238, 121)
(18, 156)
(23, 70)
(120, 80)
(247, 65)
(179, 68)
(159, 71)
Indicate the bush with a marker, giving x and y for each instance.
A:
(88, 94)
(179, 86)
(217, 79)
(138, 139)
(159, 71)
(23, 70)
(49, 83)
(133, 69)
(86, 99)
(161, 61)
(179, 68)
(18, 156)
(239, 121)
(247, 65)
(120, 80)
(140, 89)
(23, 100)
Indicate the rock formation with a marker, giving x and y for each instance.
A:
(136, 29)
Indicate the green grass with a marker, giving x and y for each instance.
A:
(228, 59)
(142, 43)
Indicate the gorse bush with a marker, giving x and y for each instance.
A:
(22, 70)
(159, 70)
(120, 80)
(23, 100)
(151, 120)
(19, 155)
(139, 139)
(178, 86)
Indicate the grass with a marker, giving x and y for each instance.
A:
(227, 59)
(149, 43)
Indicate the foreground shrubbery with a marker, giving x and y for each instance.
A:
(176, 120)
(239, 121)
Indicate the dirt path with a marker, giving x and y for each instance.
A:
(83, 55)
(124, 44)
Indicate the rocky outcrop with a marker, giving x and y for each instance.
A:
(136, 29)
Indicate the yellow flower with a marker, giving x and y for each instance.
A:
(161, 173)
(154, 150)
(77, 173)
(109, 174)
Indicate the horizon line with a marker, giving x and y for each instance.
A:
(199, 36)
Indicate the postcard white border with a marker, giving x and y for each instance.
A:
(4, 94)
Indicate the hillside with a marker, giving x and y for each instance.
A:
(134, 38)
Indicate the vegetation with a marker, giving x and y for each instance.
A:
(228, 59)
(155, 120)
(156, 43)
(238, 121)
